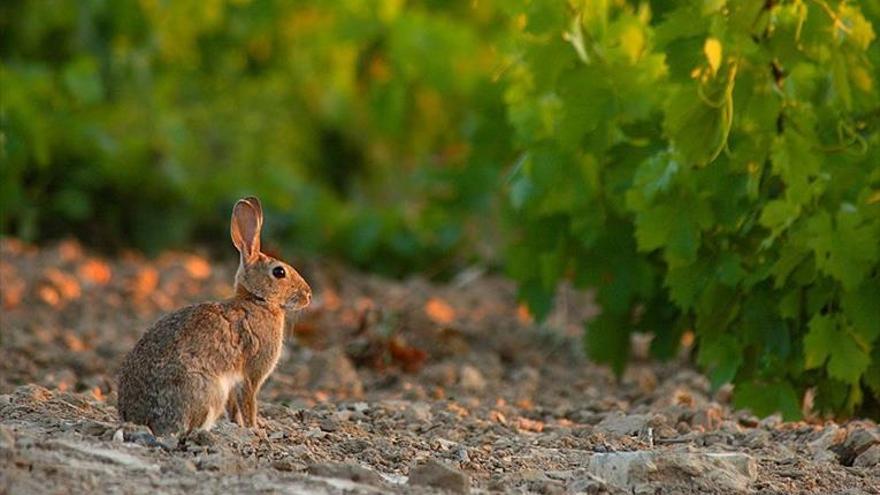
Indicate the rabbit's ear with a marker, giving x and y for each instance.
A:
(247, 220)
(253, 201)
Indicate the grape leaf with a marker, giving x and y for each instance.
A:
(765, 399)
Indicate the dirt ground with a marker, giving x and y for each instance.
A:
(384, 387)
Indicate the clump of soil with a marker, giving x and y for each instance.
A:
(384, 386)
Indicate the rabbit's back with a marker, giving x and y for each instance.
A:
(179, 372)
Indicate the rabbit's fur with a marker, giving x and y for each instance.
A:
(202, 360)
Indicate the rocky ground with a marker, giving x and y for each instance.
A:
(385, 387)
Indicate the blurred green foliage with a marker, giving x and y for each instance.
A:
(372, 129)
(711, 167)
(708, 166)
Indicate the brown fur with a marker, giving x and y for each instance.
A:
(202, 360)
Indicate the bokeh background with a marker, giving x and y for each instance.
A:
(374, 131)
(710, 169)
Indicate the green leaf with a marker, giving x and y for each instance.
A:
(686, 281)
(537, 297)
(765, 399)
(796, 162)
(607, 341)
(585, 103)
(721, 356)
(653, 176)
(848, 359)
(846, 251)
(697, 130)
(817, 343)
(826, 340)
(862, 307)
(83, 80)
(675, 226)
(778, 215)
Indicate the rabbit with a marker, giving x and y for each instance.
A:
(203, 360)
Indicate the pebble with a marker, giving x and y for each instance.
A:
(868, 458)
(332, 371)
(347, 471)
(315, 433)
(645, 471)
(439, 475)
(7, 441)
(586, 483)
(857, 442)
(287, 465)
(618, 423)
(821, 448)
(329, 425)
(471, 379)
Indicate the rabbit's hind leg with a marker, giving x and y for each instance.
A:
(233, 406)
(204, 408)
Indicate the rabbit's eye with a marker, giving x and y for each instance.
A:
(278, 272)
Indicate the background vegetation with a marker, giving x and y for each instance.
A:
(710, 167)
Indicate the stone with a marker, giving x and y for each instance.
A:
(471, 379)
(347, 471)
(868, 458)
(586, 483)
(618, 423)
(7, 443)
(857, 441)
(107, 455)
(202, 438)
(287, 465)
(329, 425)
(821, 448)
(709, 418)
(436, 474)
(647, 471)
(332, 371)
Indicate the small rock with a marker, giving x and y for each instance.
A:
(353, 472)
(202, 438)
(748, 421)
(857, 442)
(821, 447)
(461, 455)
(759, 439)
(7, 442)
(315, 433)
(438, 475)
(93, 428)
(771, 422)
(118, 436)
(329, 425)
(287, 465)
(645, 471)
(868, 458)
(708, 418)
(418, 412)
(111, 456)
(618, 423)
(586, 483)
(32, 393)
(471, 379)
(5, 400)
(333, 372)
(354, 445)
